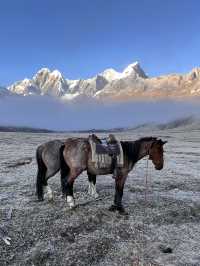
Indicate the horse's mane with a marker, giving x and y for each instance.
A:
(131, 148)
(147, 139)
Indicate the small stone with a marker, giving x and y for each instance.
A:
(165, 249)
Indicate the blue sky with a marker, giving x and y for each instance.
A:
(83, 37)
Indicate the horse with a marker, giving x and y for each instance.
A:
(48, 164)
(76, 157)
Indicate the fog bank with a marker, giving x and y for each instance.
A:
(49, 113)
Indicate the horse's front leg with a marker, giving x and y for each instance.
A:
(119, 188)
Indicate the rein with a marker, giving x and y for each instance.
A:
(146, 174)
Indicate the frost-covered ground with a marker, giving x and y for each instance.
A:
(162, 228)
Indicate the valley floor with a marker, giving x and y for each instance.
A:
(162, 228)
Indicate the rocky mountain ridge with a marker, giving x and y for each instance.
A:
(131, 83)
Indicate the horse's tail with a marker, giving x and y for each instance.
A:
(41, 173)
(64, 170)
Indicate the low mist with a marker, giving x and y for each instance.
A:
(46, 112)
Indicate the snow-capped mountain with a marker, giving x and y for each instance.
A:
(131, 83)
(53, 83)
(169, 86)
(44, 82)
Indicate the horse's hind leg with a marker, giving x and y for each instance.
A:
(42, 187)
(71, 168)
(92, 185)
(67, 179)
(40, 181)
(40, 184)
(64, 172)
(47, 189)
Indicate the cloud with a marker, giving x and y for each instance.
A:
(50, 113)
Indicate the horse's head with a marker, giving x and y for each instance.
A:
(156, 153)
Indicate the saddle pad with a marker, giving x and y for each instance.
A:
(103, 159)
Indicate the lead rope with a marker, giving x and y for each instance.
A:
(146, 180)
(144, 226)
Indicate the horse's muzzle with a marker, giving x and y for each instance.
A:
(159, 167)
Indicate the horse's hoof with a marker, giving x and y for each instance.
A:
(122, 211)
(48, 193)
(51, 199)
(49, 196)
(112, 208)
(96, 195)
(70, 202)
(40, 199)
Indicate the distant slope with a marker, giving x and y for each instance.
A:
(24, 129)
(186, 123)
(177, 123)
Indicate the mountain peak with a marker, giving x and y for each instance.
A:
(56, 73)
(134, 69)
(44, 69)
(135, 64)
(195, 73)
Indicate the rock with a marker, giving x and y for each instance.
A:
(19, 162)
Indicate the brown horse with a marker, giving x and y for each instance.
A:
(75, 157)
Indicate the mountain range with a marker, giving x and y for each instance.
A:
(131, 83)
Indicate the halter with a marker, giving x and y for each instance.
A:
(148, 151)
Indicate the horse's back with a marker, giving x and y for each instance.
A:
(76, 151)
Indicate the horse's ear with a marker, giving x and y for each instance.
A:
(164, 142)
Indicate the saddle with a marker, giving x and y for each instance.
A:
(108, 145)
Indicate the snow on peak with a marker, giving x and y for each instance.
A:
(56, 74)
(134, 69)
(110, 74)
(44, 69)
(26, 81)
(133, 65)
(43, 72)
(130, 68)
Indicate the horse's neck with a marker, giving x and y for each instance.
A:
(144, 149)
(136, 150)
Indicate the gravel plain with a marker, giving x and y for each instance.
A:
(162, 227)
